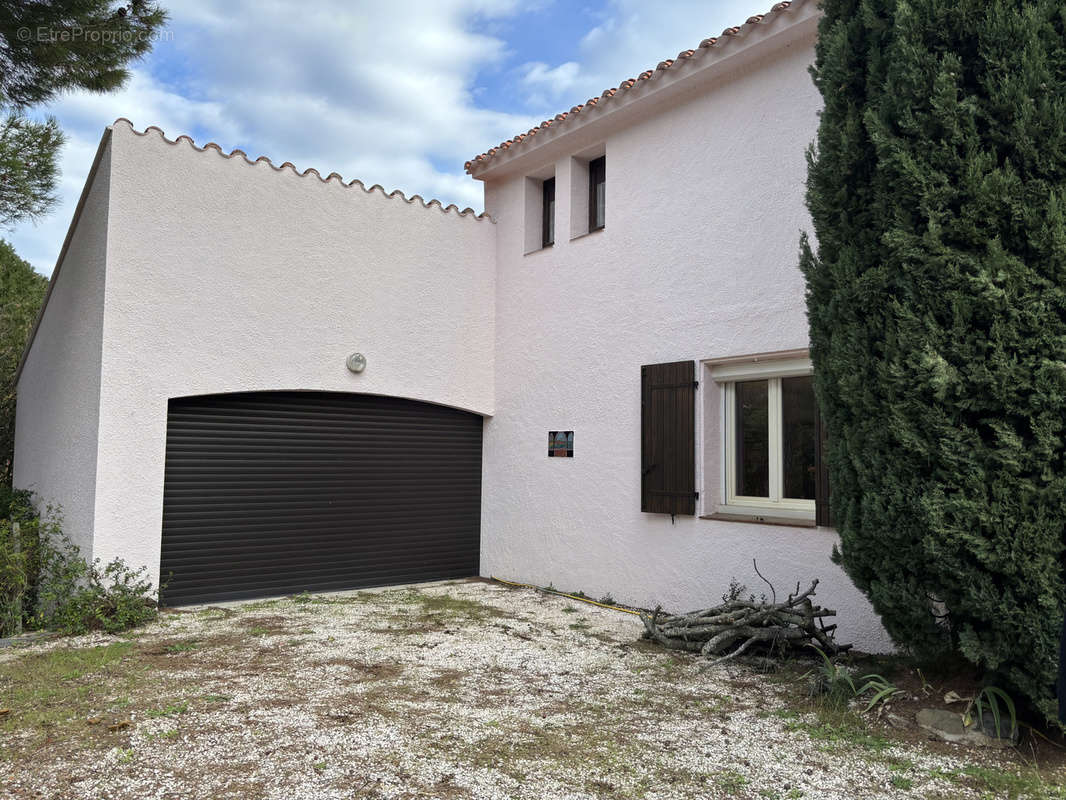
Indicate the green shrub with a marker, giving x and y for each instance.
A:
(16, 504)
(937, 310)
(19, 560)
(45, 583)
(14, 581)
(75, 596)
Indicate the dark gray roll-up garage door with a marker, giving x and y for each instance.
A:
(279, 492)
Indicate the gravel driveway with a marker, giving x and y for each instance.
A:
(459, 690)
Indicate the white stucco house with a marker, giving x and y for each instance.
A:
(257, 381)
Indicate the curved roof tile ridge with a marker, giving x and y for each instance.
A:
(714, 41)
(354, 183)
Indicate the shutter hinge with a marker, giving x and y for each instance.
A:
(695, 384)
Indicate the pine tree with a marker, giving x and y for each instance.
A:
(28, 168)
(55, 46)
(46, 48)
(937, 309)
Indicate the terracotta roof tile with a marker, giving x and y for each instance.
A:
(757, 19)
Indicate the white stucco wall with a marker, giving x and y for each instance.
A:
(698, 261)
(226, 276)
(59, 387)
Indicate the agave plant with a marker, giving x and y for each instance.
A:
(989, 699)
(839, 683)
(883, 690)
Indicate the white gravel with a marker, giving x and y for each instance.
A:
(461, 690)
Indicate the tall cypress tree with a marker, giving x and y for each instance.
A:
(937, 308)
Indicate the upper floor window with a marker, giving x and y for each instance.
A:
(597, 193)
(547, 224)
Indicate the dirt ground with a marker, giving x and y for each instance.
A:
(458, 690)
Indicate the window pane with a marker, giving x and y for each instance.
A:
(753, 439)
(597, 192)
(798, 420)
(547, 234)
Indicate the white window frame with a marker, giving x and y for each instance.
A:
(771, 370)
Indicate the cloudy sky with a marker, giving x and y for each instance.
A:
(396, 92)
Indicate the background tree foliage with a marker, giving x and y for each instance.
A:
(47, 47)
(28, 172)
(21, 293)
(937, 308)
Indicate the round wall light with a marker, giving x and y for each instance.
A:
(356, 362)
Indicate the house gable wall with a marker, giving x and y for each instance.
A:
(698, 260)
(228, 276)
(57, 415)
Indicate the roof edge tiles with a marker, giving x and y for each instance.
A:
(728, 36)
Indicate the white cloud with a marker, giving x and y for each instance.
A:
(375, 91)
(545, 84)
(632, 36)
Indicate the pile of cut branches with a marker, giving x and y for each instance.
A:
(747, 626)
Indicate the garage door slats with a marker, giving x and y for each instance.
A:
(194, 548)
(267, 589)
(256, 575)
(281, 492)
(326, 505)
(254, 578)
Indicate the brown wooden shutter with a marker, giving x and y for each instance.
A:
(823, 512)
(668, 438)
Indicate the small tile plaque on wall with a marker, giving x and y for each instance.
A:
(560, 444)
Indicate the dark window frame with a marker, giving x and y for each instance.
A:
(597, 178)
(547, 221)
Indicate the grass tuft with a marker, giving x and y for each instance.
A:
(169, 711)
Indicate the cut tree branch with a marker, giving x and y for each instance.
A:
(737, 626)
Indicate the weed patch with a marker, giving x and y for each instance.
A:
(456, 608)
(171, 710)
(258, 605)
(48, 691)
(730, 781)
(1027, 785)
(836, 730)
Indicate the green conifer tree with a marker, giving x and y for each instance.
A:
(21, 293)
(48, 47)
(937, 307)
